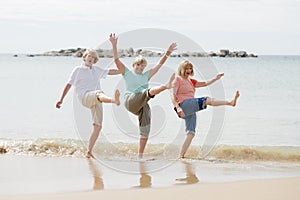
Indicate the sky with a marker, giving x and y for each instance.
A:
(262, 27)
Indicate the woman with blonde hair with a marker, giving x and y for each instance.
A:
(138, 92)
(186, 105)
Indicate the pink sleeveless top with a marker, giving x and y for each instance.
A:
(185, 88)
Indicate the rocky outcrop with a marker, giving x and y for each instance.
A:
(104, 53)
(67, 52)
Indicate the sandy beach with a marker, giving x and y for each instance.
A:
(285, 188)
(40, 177)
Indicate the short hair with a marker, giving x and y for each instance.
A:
(183, 65)
(140, 60)
(92, 52)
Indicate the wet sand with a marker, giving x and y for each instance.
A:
(36, 177)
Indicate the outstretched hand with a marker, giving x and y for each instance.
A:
(113, 39)
(219, 76)
(58, 104)
(172, 47)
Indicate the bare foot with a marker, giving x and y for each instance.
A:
(169, 84)
(89, 155)
(233, 102)
(117, 97)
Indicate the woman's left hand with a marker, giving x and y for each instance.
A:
(219, 76)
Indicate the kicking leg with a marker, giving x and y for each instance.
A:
(233, 102)
(105, 99)
(158, 89)
(216, 102)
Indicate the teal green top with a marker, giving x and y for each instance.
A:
(135, 82)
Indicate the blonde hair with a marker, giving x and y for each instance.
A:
(92, 52)
(140, 60)
(183, 65)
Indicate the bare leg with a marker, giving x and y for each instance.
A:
(158, 89)
(105, 99)
(215, 102)
(143, 142)
(92, 140)
(186, 144)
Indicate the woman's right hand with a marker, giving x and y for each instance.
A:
(180, 111)
(58, 104)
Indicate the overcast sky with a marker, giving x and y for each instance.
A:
(257, 26)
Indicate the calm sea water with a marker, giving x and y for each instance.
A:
(267, 113)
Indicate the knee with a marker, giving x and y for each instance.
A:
(191, 134)
(208, 101)
(97, 128)
(143, 137)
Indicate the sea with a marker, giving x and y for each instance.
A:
(262, 131)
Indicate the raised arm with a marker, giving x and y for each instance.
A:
(207, 83)
(163, 59)
(114, 40)
(66, 90)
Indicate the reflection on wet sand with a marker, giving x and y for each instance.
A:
(98, 181)
(191, 177)
(145, 178)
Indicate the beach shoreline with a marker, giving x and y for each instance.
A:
(64, 177)
(282, 188)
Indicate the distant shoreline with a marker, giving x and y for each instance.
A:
(104, 53)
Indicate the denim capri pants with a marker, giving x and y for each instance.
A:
(190, 107)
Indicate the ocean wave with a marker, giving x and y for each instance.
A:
(120, 150)
(42, 147)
